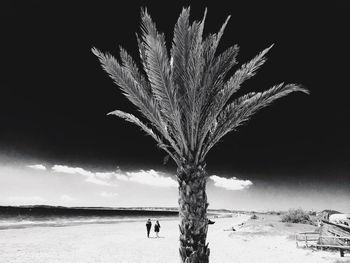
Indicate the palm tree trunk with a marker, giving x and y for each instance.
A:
(193, 214)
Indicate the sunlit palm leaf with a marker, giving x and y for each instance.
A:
(158, 70)
(180, 51)
(134, 87)
(194, 72)
(123, 78)
(218, 99)
(130, 65)
(241, 109)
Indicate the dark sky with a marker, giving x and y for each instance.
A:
(55, 96)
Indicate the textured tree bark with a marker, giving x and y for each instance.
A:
(193, 214)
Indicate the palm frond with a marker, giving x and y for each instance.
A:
(180, 51)
(142, 53)
(221, 95)
(131, 118)
(211, 43)
(241, 109)
(129, 64)
(246, 71)
(213, 79)
(194, 72)
(158, 70)
(124, 79)
(134, 87)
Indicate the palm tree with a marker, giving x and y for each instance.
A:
(187, 105)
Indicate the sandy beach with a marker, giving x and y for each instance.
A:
(262, 240)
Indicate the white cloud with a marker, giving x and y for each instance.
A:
(121, 177)
(231, 183)
(70, 170)
(106, 176)
(150, 177)
(108, 194)
(67, 198)
(37, 167)
(95, 178)
(26, 200)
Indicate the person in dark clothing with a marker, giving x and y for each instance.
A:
(157, 228)
(148, 226)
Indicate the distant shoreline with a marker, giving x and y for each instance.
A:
(14, 211)
(47, 210)
(18, 217)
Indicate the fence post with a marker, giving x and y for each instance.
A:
(306, 241)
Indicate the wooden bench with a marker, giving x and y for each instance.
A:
(307, 237)
(312, 239)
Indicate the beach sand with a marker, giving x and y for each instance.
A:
(262, 240)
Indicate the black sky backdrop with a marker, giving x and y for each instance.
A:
(55, 96)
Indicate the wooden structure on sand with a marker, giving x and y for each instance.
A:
(330, 236)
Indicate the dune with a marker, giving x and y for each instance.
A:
(261, 240)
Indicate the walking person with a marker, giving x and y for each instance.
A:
(157, 228)
(148, 226)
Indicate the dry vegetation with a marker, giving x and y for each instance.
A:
(298, 216)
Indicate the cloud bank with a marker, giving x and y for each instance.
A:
(146, 177)
(231, 183)
(95, 178)
(149, 177)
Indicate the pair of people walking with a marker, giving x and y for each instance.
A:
(156, 227)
